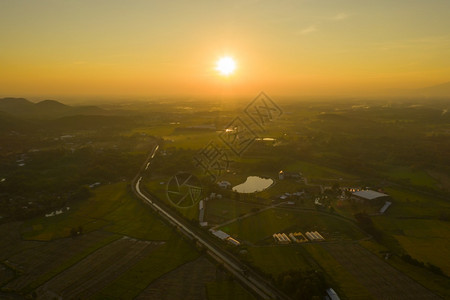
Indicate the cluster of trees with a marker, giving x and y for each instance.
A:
(74, 232)
(365, 222)
(435, 269)
(300, 284)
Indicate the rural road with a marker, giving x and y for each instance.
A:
(248, 277)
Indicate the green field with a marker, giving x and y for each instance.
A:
(115, 212)
(111, 208)
(343, 281)
(436, 283)
(227, 289)
(275, 260)
(414, 177)
(220, 210)
(266, 223)
(160, 191)
(164, 259)
(425, 240)
(413, 204)
(314, 171)
(191, 140)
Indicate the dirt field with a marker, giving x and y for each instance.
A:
(97, 270)
(186, 282)
(378, 277)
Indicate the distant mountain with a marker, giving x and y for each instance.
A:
(9, 122)
(45, 109)
(436, 91)
(440, 90)
(16, 106)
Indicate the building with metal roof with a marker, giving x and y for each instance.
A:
(369, 197)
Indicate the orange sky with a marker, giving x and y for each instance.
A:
(115, 48)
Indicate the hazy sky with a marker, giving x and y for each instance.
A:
(150, 48)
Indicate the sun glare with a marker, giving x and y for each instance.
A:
(226, 66)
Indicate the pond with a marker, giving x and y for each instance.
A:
(253, 184)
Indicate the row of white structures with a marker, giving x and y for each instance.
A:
(225, 237)
(283, 238)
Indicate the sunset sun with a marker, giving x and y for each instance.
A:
(226, 65)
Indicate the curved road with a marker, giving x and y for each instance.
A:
(247, 277)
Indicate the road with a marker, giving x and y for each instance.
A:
(249, 278)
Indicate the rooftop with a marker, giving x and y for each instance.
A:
(369, 195)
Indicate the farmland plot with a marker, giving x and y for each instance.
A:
(11, 241)
(379, 278)
(185, 282)
(98, 269)
(46, 256)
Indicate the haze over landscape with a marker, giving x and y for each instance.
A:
(253, 149)
(116, 48)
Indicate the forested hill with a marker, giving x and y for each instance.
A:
(45, 109)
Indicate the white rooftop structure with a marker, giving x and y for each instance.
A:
(385, 207)
(220, 234)
(224, 184)
(369, 195)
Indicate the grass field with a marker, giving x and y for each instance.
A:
(425, 240)
(438, 284)
(407, 203)
(227, 289)
(160, 191)
(220, 210)
(97, 270)
(379, 278)
(191, 140)
(414, 177)
(110, 208)
(275, 260)
(314, 171)
(266, 223)
(71, 260)
(345, 284)
(40, 263)
(164, 259)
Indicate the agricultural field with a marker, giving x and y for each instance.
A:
(343, 281)
(111, 208)
(419, 238)
(37, 264)
(436, 283)
(227, 289)
(316, 172)
(119, 249)
(378, 277)
(412, 204)
(198, 279)
(263, 225)
(419, 178)
(97, 270)
(221, 210)
(275, 260)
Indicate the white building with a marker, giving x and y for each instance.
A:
(224, 184)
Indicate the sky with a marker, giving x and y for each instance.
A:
(137, 48)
